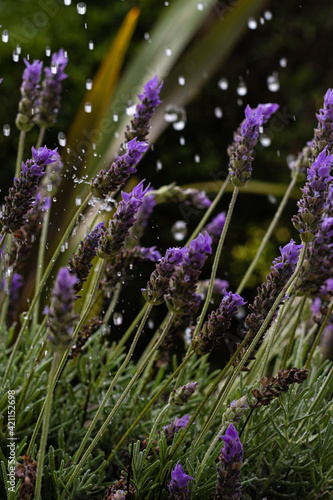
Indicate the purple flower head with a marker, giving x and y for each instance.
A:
(175, 426)
(178, 484)
(313, 204)
(215, 227)
(324, 132)
(181, 296)
(245, 139)
(218, 323)
(44, 155)
(61, 312)
(181, 395)
(48, 102)
(228, 471)
(113, 239)
(29, 93)
(158, 284)
(140, 124)
(120, 170)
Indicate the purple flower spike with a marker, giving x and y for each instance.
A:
(228, 472)
(119, 172)
(21, 196)
(218, 323)
(61, 312)
(324, 132)
(314, 200)
(112, 240)
(172, 429)
(140, 124)
(29, 91)
(178, 484)
(215, 227)
(48, 102)
(245, 139)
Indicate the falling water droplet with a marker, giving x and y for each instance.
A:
(283, 62)
(242, 88)
(200, 6)
(271, 199)
(146, 36)
(181, 80)
(117, 318)
(273, 83)
(16, 57)
(171, 114)
(6, 129)
(218, 112)
(5, 36)
(265, 140)
(182, 141)
(89, 84)
(168, 51)
(91, 45)
(62, 139)
(291, 160)
(81, 8)
(150, 324)
(268, 15)
(197, 159)
(18, 49)
(223, 83)
(179, 230)
(54, 68)
(87, 107)
(252, 23)
(115, 117)
(159, 165)
(47, 51)
(130, 109)
(78, 201)
(67, 2)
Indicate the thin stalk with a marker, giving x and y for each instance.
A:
(40, 137)
(292, 335)
(20, 150)
(41, 260)
(157, 420)
(45, 429)
(316, 341)
(114, 410)
(42, 284)
(267, 236)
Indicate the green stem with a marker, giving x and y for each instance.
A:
(20, 150)
(42, 284)
(41, 260)
(45, 429)
(292, 335)
(40, 137)
(266, 237)
(114, 410)
(316, 341)
(157, 420)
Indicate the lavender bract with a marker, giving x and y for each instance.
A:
(245, 139)
(178, 484)
(140, 124)
(30, 89)
(228, 472)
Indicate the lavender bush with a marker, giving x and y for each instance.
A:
(86, 415)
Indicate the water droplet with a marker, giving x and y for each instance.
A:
(18, 49)
(54, 68)
(181, 80)
(197, 159)
(150, 324)
(47, 51)
(159, 165)
(242, 88)
(273, 83)
(62, 139)
(252, 23)
(130, 109)
(62, 248)
(6, 129)
(89, 84)
(117, 318)
(81, 8)
(87, 107)
(91, 45)
(271, 199)
(115, 117)
(67, 2)
(146, 36)
(78, 201)
(168, 51)
(283, 62)
(291, 159)
(16, 57)
(200, 6)
(223, 83)
(268, 15)
(179, 230)
(5, 36)
(171, 113)
(182, 141)
(265, 140)
(262, 20)
(218, 112)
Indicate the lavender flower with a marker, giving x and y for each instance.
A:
(48, 102)
(234, 412)
(181, 395)
(175, 426)
(228, 473)
(80, 264)
(218, 287)
(109, 180)
(314, 199)
(280, 272)
(245, 139)
(323, 136)
(21, 196)
(176, 194)
(112, 240)
(218, 323)
(61, 312)
(158, 284)
(178, 484)
(29, 91)
(215, 227)
(181, 296)
(140, 124)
